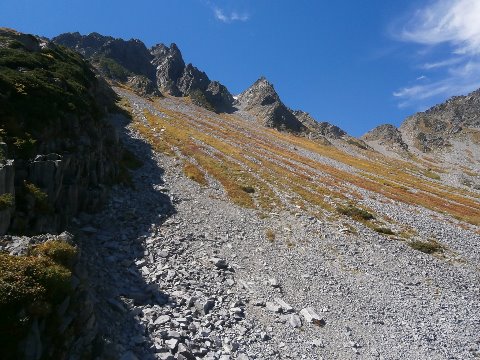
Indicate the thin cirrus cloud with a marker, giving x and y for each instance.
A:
(225, 17)
(456, 25)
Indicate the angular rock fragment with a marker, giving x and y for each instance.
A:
(273, 307)
(285, 307)
(311, 316)
(219, 263)
(294, 321)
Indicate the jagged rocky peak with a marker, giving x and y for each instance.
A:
(261, 93)
(169, 67)
(322, 128)
(262, 101)
(436, 127)
(177, 79)
(386, 135)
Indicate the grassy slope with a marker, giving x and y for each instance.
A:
(239, 155)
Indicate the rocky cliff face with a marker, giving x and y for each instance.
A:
(59, 150)
(169, 67)
(262, 101)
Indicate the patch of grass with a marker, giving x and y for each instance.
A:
(194, 173)
(430, 174)
(384, 230)
(268, 155)
(6, 201)
(270, 235)
(52, 82)
(427, 247)
(355, 213)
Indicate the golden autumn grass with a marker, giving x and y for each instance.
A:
(194, 173)
(240, 155)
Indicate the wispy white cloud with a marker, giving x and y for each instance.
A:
(446, 21)
(441, 63)
(459, 80)
(225, 17)
(454, 24)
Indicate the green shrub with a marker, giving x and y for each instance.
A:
(270, 235)
(432, 175)
(248, 189)
(427, 247)
(355, 213)
(42, 204)
(383, 230)
(58, 251)
(38, 90)
(29, 286)
(6, 201)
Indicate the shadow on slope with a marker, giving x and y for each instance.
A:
(114, 252)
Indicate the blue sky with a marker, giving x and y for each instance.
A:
(354, 63)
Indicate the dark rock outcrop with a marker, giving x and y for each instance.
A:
(262, 101)
(316, 128)
(192, 79)
(143, 86)
(219, 96)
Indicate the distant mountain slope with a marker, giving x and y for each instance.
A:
(446, 136)
(436, 128)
